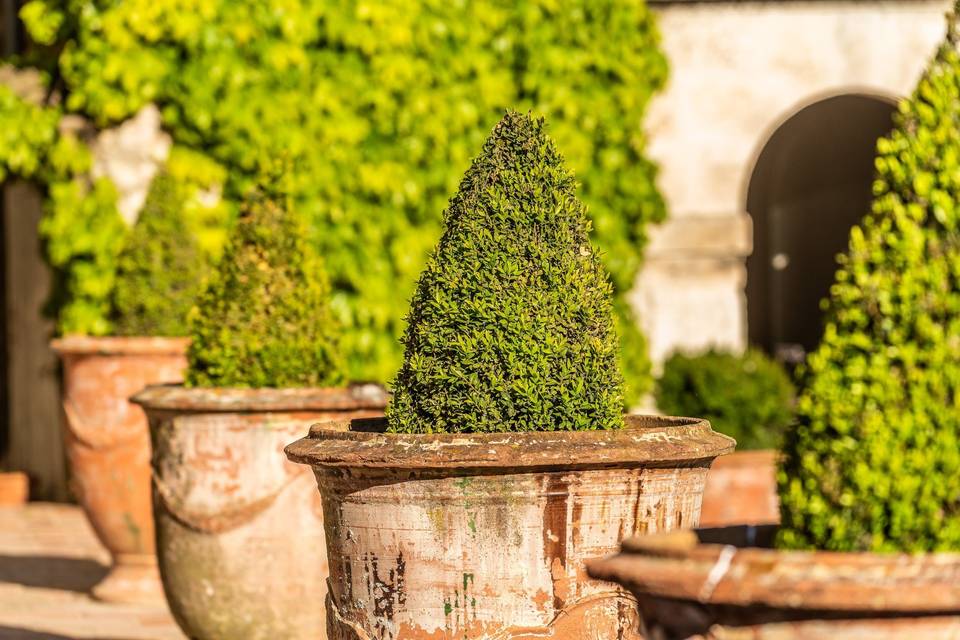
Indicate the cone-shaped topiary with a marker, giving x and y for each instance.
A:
(874, 463)
(265, 319)
(511, 326)
(160, 270)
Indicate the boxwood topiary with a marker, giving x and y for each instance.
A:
(746, 396)
(874, 463)
(265, 319)
(511, 326)
(161, 269)
(381, 106)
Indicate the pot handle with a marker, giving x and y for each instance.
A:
(77, 427)
(225, 520)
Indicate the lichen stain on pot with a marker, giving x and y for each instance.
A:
(528, 535)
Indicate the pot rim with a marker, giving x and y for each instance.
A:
(176, 397)
(646, 441)
(723, 566)
(119, 345)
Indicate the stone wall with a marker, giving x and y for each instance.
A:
(738, 70)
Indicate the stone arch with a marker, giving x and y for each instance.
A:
(809, 184)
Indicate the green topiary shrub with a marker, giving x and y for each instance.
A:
(874, 463)
(511, 327)
(265, 319)
(748, 397)
(380, 106)
(161, 268)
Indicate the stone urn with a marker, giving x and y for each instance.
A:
(240, 535)
(727, 583)
(108, 447)
(741, 489)
(485, 536)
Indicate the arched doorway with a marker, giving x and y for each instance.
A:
(811, 183)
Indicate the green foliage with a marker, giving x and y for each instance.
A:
(161, 268)
(748, 397)
(875, 461)
(265, 319)
(380, 106)
(511, 327)
(82, 230)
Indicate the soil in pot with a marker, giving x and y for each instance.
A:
(240, 534)
(476, 536)
(108, 447)
(729, 583)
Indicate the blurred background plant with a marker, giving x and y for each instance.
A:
(379, 105)
(749, 397)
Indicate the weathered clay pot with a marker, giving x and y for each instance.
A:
(108, 446)
(741, 489)
(484, 536)
(728, 583)
(240, 533)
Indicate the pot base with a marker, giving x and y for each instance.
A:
(133, 579)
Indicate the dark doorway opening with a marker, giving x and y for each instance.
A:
(812, 182)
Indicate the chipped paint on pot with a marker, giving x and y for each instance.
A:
(741, 489)
(240, 534)
(108, 447)
(485, 536)
(727, 583)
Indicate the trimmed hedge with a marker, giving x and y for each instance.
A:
(380, 106)
(748, 397)
(161, 269)
(265, 318)
(511, 327)
(874, 463)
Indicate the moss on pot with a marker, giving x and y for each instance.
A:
(511, 325)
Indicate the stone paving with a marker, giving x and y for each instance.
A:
(49, 559)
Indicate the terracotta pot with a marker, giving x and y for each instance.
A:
(472, 536)
(14, 488)
(728, 583)
(741, 489)
(240, 534)
(109, 449)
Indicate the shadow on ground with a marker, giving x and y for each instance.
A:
(50, 572)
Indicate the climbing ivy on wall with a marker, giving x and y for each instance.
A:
(82, 230)
(380, 106)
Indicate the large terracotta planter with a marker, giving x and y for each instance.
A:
(240, 534)
(741, 489)
(108, 447)
(728, 583)
(484, 536)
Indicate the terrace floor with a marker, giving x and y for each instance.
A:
(49, 559)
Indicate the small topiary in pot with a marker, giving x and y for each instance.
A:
(747, 396)
(240, 538)
(504, 460)
(869, 482)
(161, 270)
